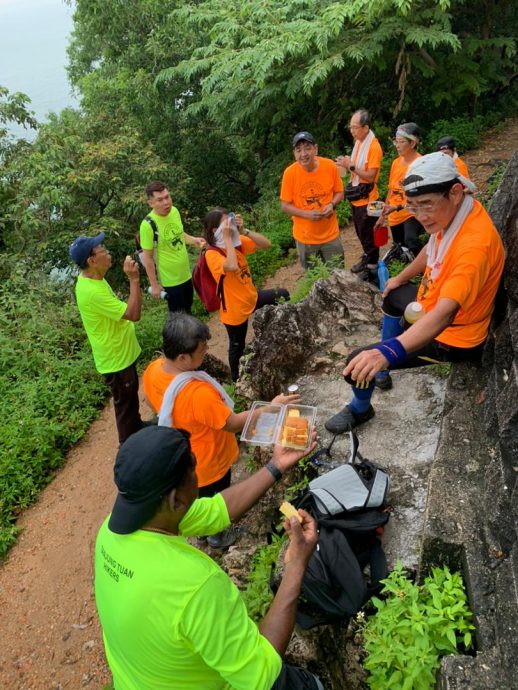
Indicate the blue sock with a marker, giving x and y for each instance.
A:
(390, 327)
(361, 398)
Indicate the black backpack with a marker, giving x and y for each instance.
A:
(155, 238)
(334, 586)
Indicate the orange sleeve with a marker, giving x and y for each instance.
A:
(375, 155)
(462, 167)
(287, 185)
(215, 262)
(248, 245)
(208, 408)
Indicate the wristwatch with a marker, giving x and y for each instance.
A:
(333, 205)
(352, 167)
(274, 471)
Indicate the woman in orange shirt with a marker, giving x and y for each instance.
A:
(240, 297)
(404, 226)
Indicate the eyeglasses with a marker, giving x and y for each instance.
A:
(426, 207)
(100, 250)
(357, 126)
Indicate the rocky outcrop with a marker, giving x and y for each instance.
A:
(472, 512)
(289, 340)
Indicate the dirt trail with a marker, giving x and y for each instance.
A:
(50, 634)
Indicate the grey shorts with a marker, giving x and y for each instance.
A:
(325, 251)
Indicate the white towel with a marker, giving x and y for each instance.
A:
(435, 254)
(359, 156)
(165, 418)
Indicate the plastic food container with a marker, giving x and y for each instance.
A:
(289, 425)
(262, 424)
(375, 208)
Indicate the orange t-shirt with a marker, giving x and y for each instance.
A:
(374, 158)
(312, 191)
(238, 288)
(396, 195)
(470, 274)
(200, 410)
(461, 167)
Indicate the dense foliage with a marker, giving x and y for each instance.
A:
(415, 626)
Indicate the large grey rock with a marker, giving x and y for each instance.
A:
(289, 337)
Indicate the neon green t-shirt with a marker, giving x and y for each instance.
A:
(172, 257)
(171, 617)
(112, 338)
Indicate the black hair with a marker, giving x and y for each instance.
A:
(182, 334)
(154, 186)
(211, 223)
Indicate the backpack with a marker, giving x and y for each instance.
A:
(349, 505)
(138, 246)
(210, 293)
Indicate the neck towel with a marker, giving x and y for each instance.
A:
(359, 156)
(165, 417)
(436, 249)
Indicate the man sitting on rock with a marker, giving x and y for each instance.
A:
(192, 400)
(171, 617)
(461, 266)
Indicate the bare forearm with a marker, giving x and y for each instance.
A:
(236, 422)
(230, 264)
(134, 304)
(292, 210)
(261, 241)
(150, 267)
(239, 498)
(277, 626)
(429, 326)
(367, 174)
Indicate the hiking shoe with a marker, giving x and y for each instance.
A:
(346, 419)
(360, 266)
(384, 382)
(222, 540)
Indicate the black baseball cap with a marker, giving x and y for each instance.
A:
(445, 143)
(303, 136)
(149, 464)
(81, 247)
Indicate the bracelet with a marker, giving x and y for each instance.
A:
(393, 351)
(274, 471)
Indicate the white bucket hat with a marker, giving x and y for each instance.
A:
(431, 172)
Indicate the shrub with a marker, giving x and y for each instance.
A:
(258, 595)
(414, 627)
(317, 270)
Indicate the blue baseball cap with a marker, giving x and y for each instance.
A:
(81, 247)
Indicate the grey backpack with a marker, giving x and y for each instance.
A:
(355, 485)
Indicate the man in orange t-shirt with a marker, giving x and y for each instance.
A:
(311, 189)
(364, 164)
(461, 264)
(447, 145)
(198, 407)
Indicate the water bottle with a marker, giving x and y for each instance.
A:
(383, 274)
(163, 294)
(413, 312)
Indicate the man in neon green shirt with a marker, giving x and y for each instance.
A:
(108, 323)
(166, 260)
(171, 617)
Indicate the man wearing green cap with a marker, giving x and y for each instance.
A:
(171, 617)
(109, 325)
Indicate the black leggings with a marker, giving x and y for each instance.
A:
(407, 234)
(216, 487)
(295, 678)
(180, 297)
(237, 334)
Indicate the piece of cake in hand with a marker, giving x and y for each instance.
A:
(290, 511)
